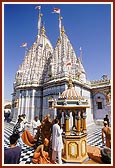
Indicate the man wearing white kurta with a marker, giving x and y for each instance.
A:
(35, 124)
(57, 143)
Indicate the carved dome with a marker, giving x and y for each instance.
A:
(70, 93)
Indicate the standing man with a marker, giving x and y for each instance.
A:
(35, 124)
(106, 119)
(46, 128)
(106, 133)
(57, 143)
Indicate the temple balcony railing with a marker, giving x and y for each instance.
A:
(100, 82)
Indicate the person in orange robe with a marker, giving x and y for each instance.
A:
(41, 154)
(28, 139)
(46, 128)
(106, 133)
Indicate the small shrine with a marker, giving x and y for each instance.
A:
(71, 111)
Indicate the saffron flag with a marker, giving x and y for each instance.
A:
(68, 63)
(56, 10)
(24, 44)
(38, 7)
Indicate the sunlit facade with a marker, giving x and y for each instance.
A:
(44, 75)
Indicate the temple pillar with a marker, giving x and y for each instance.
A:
(71, 120)
(78, 123)
(27, 105)
(62, 119)
(22, 102)
(67, 127)
(32, 106)
(19, 105)
(84, 123)
(73, 114)
(81, 121)
(29, 113)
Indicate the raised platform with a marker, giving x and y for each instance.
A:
(75, 148)
(93, 156)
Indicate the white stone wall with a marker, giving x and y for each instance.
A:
(99, 114)
(87, 94)
(54, 92)
(35, 103)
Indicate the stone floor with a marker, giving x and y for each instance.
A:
(93, 139)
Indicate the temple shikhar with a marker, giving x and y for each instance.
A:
(52, 80)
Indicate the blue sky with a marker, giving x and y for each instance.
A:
(87, 26)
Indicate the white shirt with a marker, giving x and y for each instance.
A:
(35, 124)
(57, 143)
(25, 120)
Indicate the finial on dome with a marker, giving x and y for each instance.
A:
(43, 30)
(70, 85)
(62, 30)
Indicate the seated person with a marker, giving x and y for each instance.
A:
(12, 155)
(18, 129)
(28, 139)
(24, 135)
(99, 155)
(106, 155)
(94, 153)
(41, 153)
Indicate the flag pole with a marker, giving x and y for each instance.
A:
(80, 54)
(26, 50)
(60, 19)
(57, 10)
(39, 18)
(39, 22)
(24, 45)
